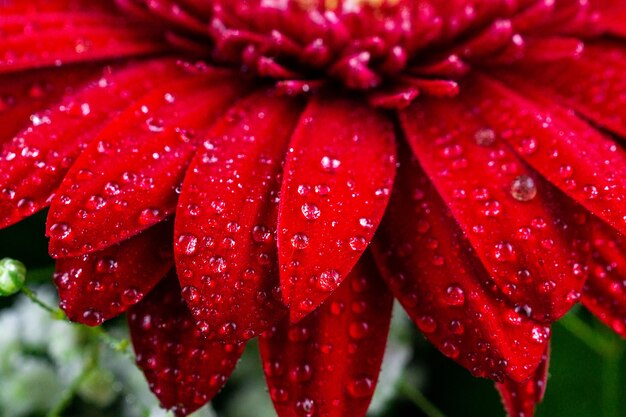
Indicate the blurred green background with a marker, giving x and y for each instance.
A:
(55, 369)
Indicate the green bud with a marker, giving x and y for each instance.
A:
(12, 276)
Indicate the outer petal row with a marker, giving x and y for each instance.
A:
(433, 271)
(127, 178)
(517, 224)
(34, 163)
(328, 363)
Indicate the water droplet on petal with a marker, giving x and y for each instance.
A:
(155, 125)
(328, 280)
(330, 164)
(310, 211)
(455, 295)
(523, 188)
(361, 387)
(357, 243)
(485, 137)
(187, 244)
(300, 241)
(60, 230)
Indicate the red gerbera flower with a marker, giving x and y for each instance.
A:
(282, 154)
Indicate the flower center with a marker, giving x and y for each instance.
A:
(348, 4)
(393, 49)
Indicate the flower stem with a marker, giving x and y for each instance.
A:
(121, 346)
(417, 398)
(56, 313)
(70, 393)
(118, 345)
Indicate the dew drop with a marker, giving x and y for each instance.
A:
(301, 373)
(330, 164)
(300, 241)
(303, 189)
(131, 296)
(504, 252)
(217, 264)
(92, 317)
(155, 125)
(227, 329)
(25, 205)
(305, 408)
(279, 395)
(540, 334)
(328, 280)
(529, 146)
(491, 208)
(523, 188)
(450, 349)
(60, 230)
(455, 296)
(366, 223)
(218, 206)
(191, 294)
(187, 244)
(358, 330)
(361, 387)
(310, 211)
(591, 191)
(357, 243)
(426, 324)
(106, 266)
(261, 234)
(485, 137)
(456, 327)
(322, 189)
(149, 216)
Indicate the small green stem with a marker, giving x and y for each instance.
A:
(71, 391)
(420, 401)
(118, 345)
(121, 346)
(56, 313)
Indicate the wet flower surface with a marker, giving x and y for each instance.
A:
(224, 170)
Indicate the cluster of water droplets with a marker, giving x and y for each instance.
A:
(335, 339)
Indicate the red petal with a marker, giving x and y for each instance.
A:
(432, 270)
(521, 398)
(338, 174)
(592, 85)
(101, 285)
(126, 179)
(585, 165)
(33, 40)
(33, 165)
(183, 369)
(521, 232)
(605, 290)
(328, 364)
(611, 16)
(23, 94)
(33, 7)
(226, 219)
